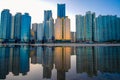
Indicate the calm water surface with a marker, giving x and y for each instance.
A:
(59, 63)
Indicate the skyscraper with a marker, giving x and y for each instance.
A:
(62, 25)
(40, 32)
(25, 27)
(107, 28)
(47, 16)
(89, 26)
(61, 10)
(34, 31)
(51, 29)
(85, 27)
(80, 28)
(0, 30)
(17, 26)
(12, 30)
(5, 24)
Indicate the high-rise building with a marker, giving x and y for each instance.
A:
(34, 31)
(17, 27)
(62, 25)
(51, 29)
(106, 29)
(47, 16)
(25, 27)
(58, 29)
(89, 26)
(0, 30)
(12, 30)
(40, 32)
(5, 24)
(85, 27)
(62, 29)
(80, 28)
(66, 29)
(61, 10)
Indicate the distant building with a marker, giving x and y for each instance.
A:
(73, 36)
(5, 25)
(34, 31)
(25, 28)
(17, 27)
(61, 10)
(40, 32)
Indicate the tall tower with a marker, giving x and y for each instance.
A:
(62, 25)
(17, 25)
(47, 24)
(25, 27)
(61, 10)
(85, 27)
(5, 24)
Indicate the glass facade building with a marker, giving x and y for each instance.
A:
(40, 32)
(61, 10)
(5, 24)
(17, 27)
(47, 16)
(85, 27)
(107, 28)
(80, 28)
(12, 29)
(51, 29)
(25, 27)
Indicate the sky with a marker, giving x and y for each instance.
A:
(36, 8)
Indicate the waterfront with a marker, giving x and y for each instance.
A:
(24, 62)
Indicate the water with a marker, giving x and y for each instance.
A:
(59, 63)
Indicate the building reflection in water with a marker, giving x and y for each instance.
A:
(89, 60)
(62, 61)
(93, 59)
(84, 60)
(108, 59)
(15, 60)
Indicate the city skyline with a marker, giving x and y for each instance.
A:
(73, 7)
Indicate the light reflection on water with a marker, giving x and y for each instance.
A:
(59, 63)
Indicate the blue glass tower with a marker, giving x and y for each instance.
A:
(17, 26)
(61, 10)
(5, 24)
(25, 28)
(47, 16)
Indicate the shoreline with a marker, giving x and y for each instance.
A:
(61, 44)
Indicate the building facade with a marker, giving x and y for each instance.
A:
(40, 32)
(47, 16)
(61, 10)
(34, 31)
(107, 28)
(51, 30)
(62, 25)
(5, 24)
(25, 27)
(17, 27)
(85, 27)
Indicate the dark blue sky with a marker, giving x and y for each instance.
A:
(111, 7)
